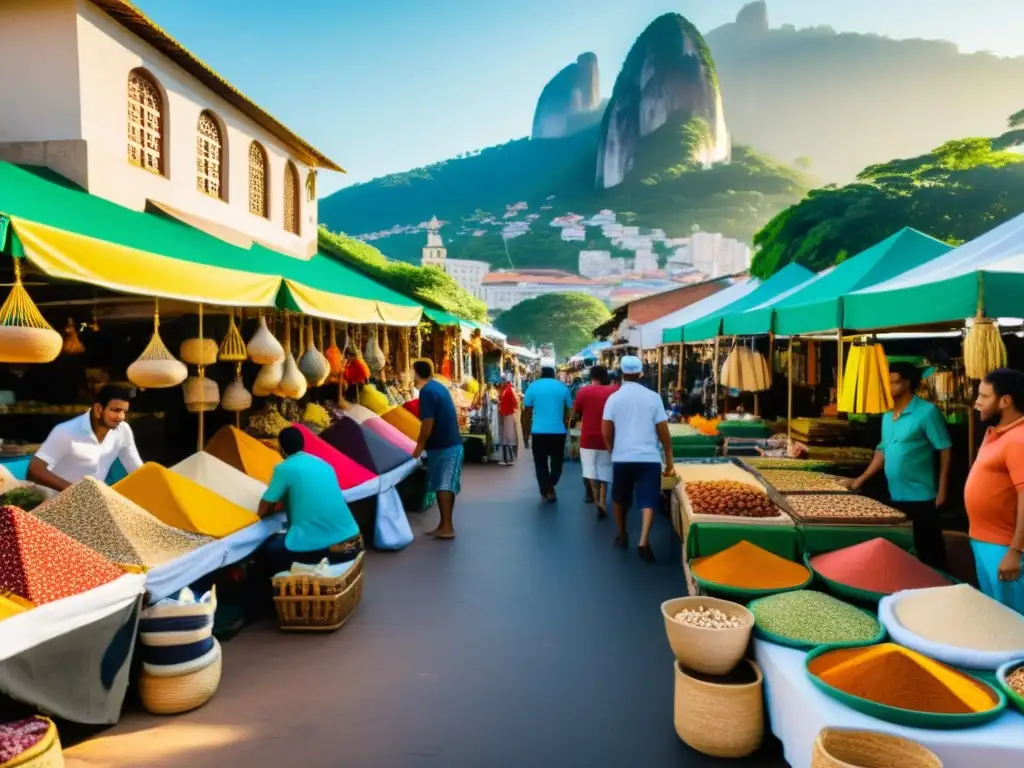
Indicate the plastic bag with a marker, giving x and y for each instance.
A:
(392, 528)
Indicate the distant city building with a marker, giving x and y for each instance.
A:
(467, 273)
(599, 264)
(503, 290)
(646, 262)
(574, 234)
(716, 255)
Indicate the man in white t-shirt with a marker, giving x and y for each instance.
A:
(634, 422)
(88, 445)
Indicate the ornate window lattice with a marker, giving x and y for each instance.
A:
(257, 180)
(209, 156)
(291, 198)
(145, 123)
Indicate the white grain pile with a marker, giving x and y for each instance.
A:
(962, 617)
(708, 618)
(207, 470)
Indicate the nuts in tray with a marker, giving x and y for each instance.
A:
(731, 498)
(848, 506)
(797, 481)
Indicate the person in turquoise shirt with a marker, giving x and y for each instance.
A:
(545, 420)
(320, 524)
(912, 432)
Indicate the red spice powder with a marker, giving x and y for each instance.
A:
(879, 566)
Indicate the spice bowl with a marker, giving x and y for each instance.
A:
(847, 748)
(708, 650)
(1003, 676)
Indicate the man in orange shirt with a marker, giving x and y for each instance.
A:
(994, 495)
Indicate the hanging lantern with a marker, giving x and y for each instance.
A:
(313, 364)
(232, 348)
(25, 336)
(156, 367)
(72, 344)
(263, 348)
(293, 383)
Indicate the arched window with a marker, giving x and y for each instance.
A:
(145, 122)
(209, 156)
(258, 180)
(291, 198)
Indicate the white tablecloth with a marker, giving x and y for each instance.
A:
(797, 711)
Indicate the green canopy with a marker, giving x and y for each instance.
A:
(441, 317)
(709, 327)
(985, 274)
(817, 305)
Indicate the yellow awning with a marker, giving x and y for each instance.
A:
(346, 309)
(69, 256)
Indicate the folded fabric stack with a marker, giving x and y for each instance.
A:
(181, 659)
(825, 431)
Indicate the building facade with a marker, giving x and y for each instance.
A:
(468, 273)
(124, 111)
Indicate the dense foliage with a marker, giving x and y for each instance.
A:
(954, 193)
(428, 285)
(564, 320)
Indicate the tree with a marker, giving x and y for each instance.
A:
(566, 320)
(1017, 119)
(955, 193)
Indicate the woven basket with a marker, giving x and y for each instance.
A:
(47, 753)
(710, 651)
(718, 718)
(314, 604)
(182, 693)
(839, 748)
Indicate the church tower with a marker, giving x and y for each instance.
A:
(434, 254)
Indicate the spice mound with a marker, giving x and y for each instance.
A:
(898, 677)
(963, 617)
(877, 566)
(708, 618)
(747, 566)
(814, 618)
(798, 481)
(858, 508)
(728, 497)
(1016, 680)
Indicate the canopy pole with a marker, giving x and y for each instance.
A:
(680, 374)
(789, 394)
(661, 363)
(839, 365)
(200, 440)
(714, 373)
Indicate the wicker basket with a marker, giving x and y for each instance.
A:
(709, 651)
(181, 693)
(839, 748)
(46, 753)
(720, 718)
(314, 604)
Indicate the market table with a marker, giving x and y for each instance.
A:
(797, 711)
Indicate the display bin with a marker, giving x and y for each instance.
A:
(705, 539)
(747, 429)
(815, 539)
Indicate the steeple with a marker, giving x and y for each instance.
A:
(434, 254)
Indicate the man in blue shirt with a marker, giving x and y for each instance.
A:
(320, 524)
(546, 409)
(911, 435)
(442, 441)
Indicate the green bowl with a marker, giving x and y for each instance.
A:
(906, 717)
(1003, 674)
(789, 642)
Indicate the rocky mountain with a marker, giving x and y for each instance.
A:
(667, 85)
(843, 101)
(571, 101)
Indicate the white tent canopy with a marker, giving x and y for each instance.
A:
(648, 335)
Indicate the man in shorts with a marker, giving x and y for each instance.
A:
(440, 438)
(594, 453)
(634, 422)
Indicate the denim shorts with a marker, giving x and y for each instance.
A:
(641, 480)
(444, 469)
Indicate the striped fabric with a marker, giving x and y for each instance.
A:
(176, 635)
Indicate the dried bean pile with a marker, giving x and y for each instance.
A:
(842, 506)
(814, 618)
(1016, 680)
(708, 618)
(794, 481)
(728, 497)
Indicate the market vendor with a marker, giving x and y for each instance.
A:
(912, 432)
(320, 524)
(88, 445)
(994, 494)
(356, 374)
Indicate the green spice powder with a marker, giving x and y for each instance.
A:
(814, 618)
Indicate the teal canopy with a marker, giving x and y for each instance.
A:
(709, 327)
(817, 305)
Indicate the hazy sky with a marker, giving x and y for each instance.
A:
(386, 85)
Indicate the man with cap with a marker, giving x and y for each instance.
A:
(634, 423)
(545, 419)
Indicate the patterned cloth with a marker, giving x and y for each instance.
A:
(444, 469)
(18, 737)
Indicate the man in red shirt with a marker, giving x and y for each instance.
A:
(594, 454)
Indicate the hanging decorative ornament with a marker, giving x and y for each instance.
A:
(156, 367)
(263, 348)
(72, 344)
(293, 383)
(232, 348)
(335, 358)
(25, 336)
(374, 355)
(314, 365)
(236, 397)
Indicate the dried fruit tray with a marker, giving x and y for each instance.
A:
(790, 482)
(725, 471)
(837, 509)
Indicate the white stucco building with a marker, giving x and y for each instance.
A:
(715, 255)
(503, 290)
(468, 273)
(98, 93)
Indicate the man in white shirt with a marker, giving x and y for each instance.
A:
(88, 445)
(634, 421)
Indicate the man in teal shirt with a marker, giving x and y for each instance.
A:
(545, 421)
(320, 524)
(911, 435)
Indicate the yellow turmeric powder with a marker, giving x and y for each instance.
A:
(899, 677)
(747, 566)
(245, 453)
